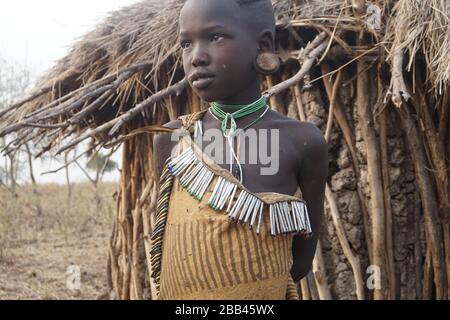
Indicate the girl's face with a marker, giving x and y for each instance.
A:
(218, 51)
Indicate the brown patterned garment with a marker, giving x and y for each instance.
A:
(205, 255)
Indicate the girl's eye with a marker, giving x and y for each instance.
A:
(185, 44)
(216, 37)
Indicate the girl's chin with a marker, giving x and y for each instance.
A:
(206, 96)
(209, 94)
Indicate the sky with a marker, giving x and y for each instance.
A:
(36, 33)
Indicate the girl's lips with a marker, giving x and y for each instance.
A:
(202, 83)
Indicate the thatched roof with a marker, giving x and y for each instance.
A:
(423, 27)
(134, 54)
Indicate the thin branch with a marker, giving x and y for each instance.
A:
(78, 101)
(337, 38)
(90, 108)
(116, 123)
(47, 126)
(73, 160)
(347, 63)
(353, 259)
(397, 87)
(174, 89)
(105, 164)
(443, 118)
(6, 148)
(147, 129)
(55, 137)
(28, 99)
(89, 87)
(311, 52)
(336, 86)
(332, 37)
(85, 172)
(73, 103)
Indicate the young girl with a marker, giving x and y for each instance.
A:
(228, 229)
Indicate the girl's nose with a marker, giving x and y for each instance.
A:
(199, 57)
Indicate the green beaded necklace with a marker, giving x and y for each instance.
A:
(242, 111)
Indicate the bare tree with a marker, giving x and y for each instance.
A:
(14, 81)
(100, 164)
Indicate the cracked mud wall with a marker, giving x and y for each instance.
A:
(405, 204)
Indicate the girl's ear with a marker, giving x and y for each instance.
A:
(266, 61)
(266, 41)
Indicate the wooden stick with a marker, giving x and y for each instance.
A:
(66, 107)
(80, 92)
(148, 220)
(6, 148)
(275, 103)
(386, 191)
(113, 278)
(74, 99)
(375, 180)
(418, 260)
(352, 258)
(429, 202)
(444, 116)
(298, 99)
(427, 277)
(320, 275)
(336, 86)
(312, 286)
(124, 223)
(174, 89)
(74, 159)
(340, 232)
(440, 165)
(312, 51)
(350, 140)
(304, 289)
(28, 99)
(397, 88)
(91, 107)
(387, 204)
(144, 130)
(117, 123)
(136, 246)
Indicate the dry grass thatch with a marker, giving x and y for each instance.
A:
(123, 61)
(423, 27)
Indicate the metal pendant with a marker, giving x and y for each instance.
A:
(235, 171)
(285, 217)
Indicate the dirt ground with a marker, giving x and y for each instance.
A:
(47, 243)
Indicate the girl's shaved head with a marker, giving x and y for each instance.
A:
(258, 15)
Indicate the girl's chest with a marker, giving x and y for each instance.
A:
(267, 165)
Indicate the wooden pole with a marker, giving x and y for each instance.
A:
(374, 177)
(429, 202)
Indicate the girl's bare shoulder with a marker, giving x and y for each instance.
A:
(163, 144)
(298, 131)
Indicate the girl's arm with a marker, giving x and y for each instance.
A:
(162, 147)
(312, 177)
